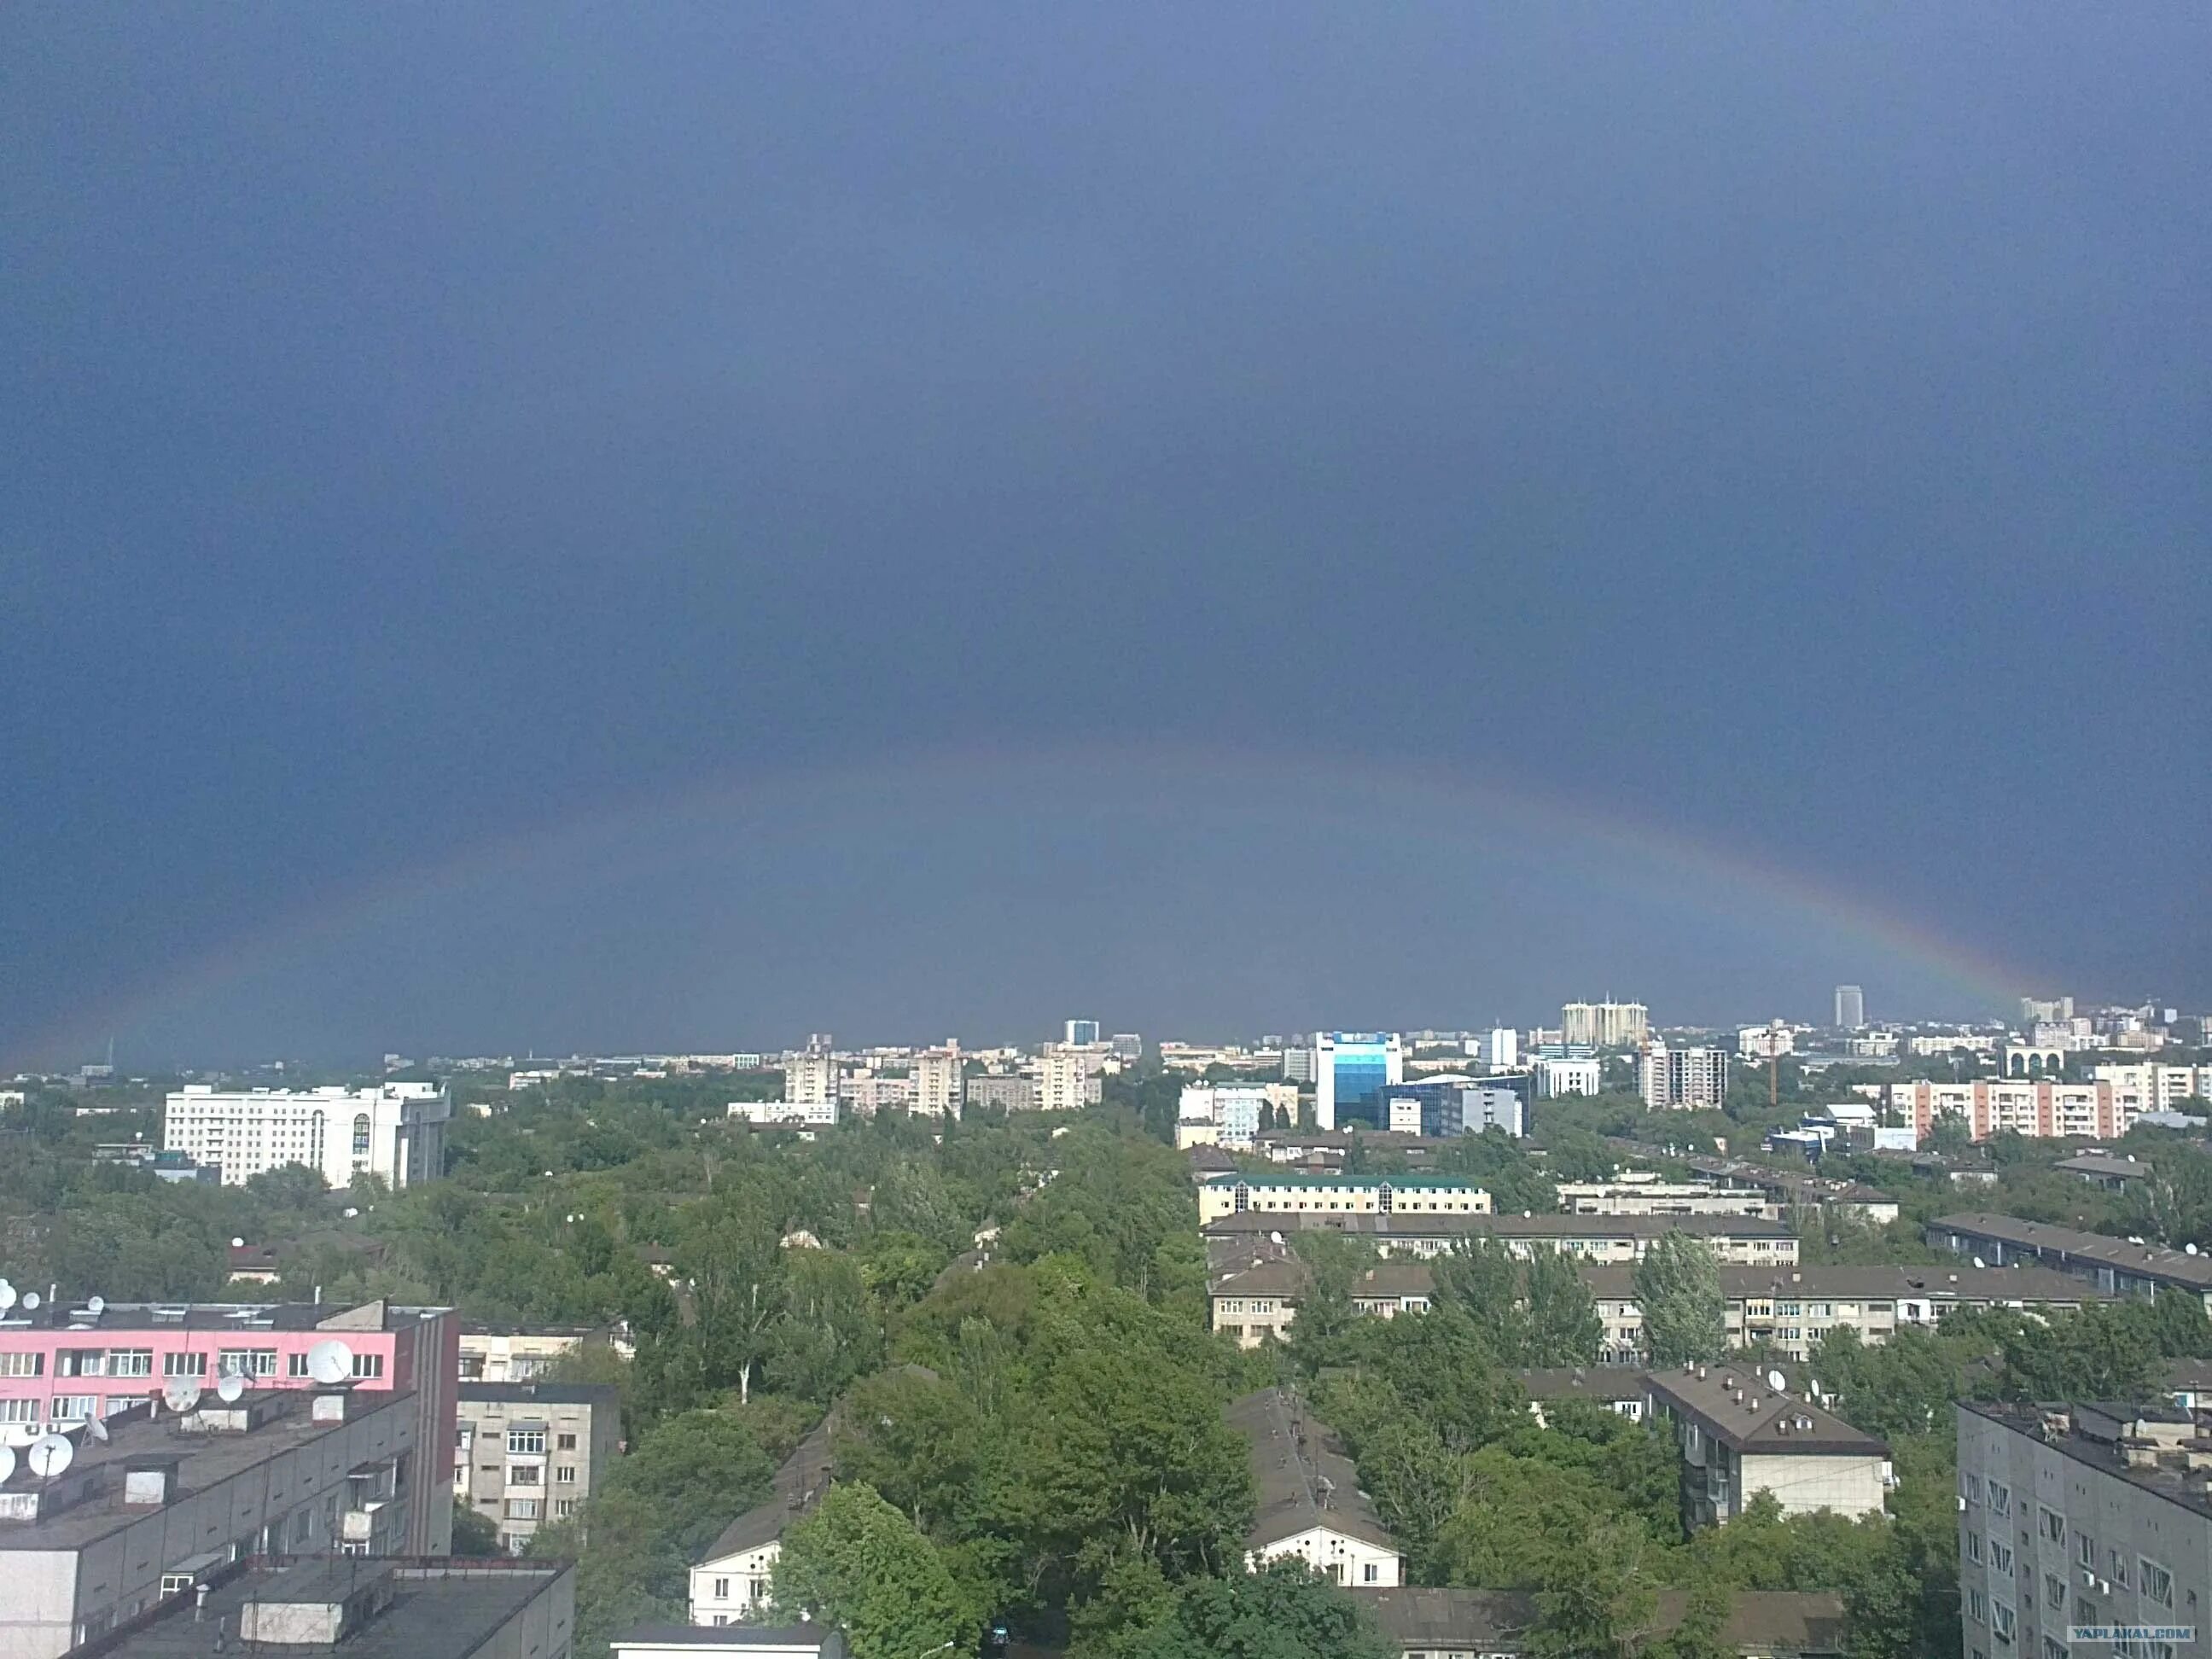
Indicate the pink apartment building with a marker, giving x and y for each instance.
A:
(61, 1364)
(2042, 1109)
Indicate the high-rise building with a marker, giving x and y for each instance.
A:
(2043, 1011)
(1605, 1024)
(1501, 1049)
(811, 1079)
(1351, 1071)
(1082, 1033)
(1685, 1080)
(939, 1082)
(1850, 1008)
(394, 1131)
(1067, 1079)
(2074, 1515)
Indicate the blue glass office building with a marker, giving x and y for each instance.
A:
(1351, 1071)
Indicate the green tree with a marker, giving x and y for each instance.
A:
(1599, 1602)
(1281, 1611)
(857, 1563)
(1678, 1287)
(1561, 1326)
(474, 1533)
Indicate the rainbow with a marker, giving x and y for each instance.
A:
(1395, 799)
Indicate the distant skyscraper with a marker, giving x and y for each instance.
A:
(1850, 1008)
(1351, 1071)
(1605, 1024)
(1082, 1033)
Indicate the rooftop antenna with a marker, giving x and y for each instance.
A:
(330, 1361)
(50, 1454)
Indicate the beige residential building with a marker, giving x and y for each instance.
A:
(1068, 1077)
(517, 1354)
(939, 1084)
(1606, 1024)
(811, 1079)
(1283, 1193)
(528, 1453)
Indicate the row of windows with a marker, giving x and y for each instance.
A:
(139, 1362)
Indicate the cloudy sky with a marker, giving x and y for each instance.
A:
(626, 527)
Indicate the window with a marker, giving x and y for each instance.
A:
(2054, 1592)
(1369, 1573)
(2000, 1620)
(722, 1589)
(1973, 1547)
(245, 1362)
(522, 1509)
(527, 1474)
(564, 1474)
(75, 1407)
(19, 1411)
(2000, 1498)
(525, 1443)
(2000, 1556)
(2085, 1552)
(80, 1362)
(184, 1365)
(295, 1364)
(130, 1362)
(2157, 1582)
(360, 1134)
(566, 1443)
(1970, 1485)
(2120, 1578)
(368, 1364)
(1978, 1609)
(22, 1364)
(2054, 1524)
(564, 1507)
(2053, 1649)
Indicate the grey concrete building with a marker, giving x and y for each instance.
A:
(527, 1453)
(2082, 1514)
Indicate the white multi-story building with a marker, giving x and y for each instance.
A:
(1235, 1109)
(2152, 1088)
(394, 1131)
(811, 1079)
(1068, 1077)
(1606, 1024)
(1500, 1049)
(1558, 1078)
(941, 1085)
(1851, 1008)
(807, 1115)
(1684, 1079)
(1768, 1042)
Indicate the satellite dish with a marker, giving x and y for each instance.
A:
(1978, 1263)
(237, 1243)
(6, 1296)
(50, 1454)
(30, 1300)
(180, 1394)
(1776, 1381)
(230, 1388)
(96, 1428)
(7, 1464)
(330, 1361)
(95, 1305)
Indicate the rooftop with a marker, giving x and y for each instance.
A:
(1603, 1383)
(799, 1639)
(1421, 1223)
(1300, 1473)
(2104, 1164)
(1395, 1278)
(1395, 1179)
(2145, 1260)
(1760, 1621)
(203, 1460)
(115, 1317)
(1736, 1407)
(2102, 1435)
(431, 1608)
(541, 1394)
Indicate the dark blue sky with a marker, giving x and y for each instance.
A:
(1785, 430)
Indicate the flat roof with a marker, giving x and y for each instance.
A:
(1300, 1473)
(803, 1638)
(1420, 1223)
(438, 1610)
(1605, 1383)
(2159, 1479)
(2104, 1164)
(1283, 1176)
(2143, 1260)
(1755, 1418)
(244, 1318)
(203, 1460)
(540, 1393)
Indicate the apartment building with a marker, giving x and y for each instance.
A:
(168, 1500)
(1273, 1193)
(1253, 1299)
(1635, 1193)
(1310, 1507)
(1738, 1241)
(2080, 1514)
(1605, 1024)
(940, 1082)
(394, 1131)
(1233, 1112)
(2033, 1107)
(527, 1453)
(2118, 1267)
(1793, 1309)
(421, 1607)
(1006, 1092)
(789, 1113)
(1682, 1080)
(2148, 1087)
(64, 1364)
(1741, 1437)
(519, 1353)
(1069, 1079)
(811, 1079)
